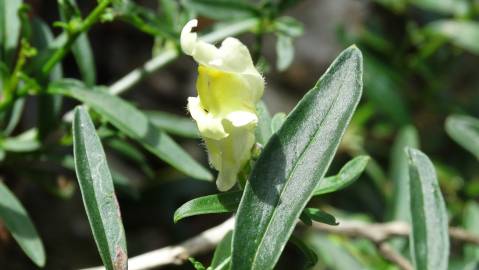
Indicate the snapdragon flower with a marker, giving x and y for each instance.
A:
(229, 87)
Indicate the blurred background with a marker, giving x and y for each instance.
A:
(421, 65)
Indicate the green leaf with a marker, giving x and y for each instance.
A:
(320, 216)
(174, 124)
(284, 52)
(134, 124)
(277, 122)
(25, 142)
(228, 201)
(263, 130)
(308, 253)
(14, 115)
(465, 131)
(399, 169)
(17, 221)
(222, 9)
(463, 34)
(429, 241)
(333, 254)
(196, 264)
(285, 4)
(289, 26)
(349, 173)
(97, 191)
(49, 107)
(471, 224)
(218, 203)
(9, 30)
(42, 39)
(292, 163)
(81, 49)
(222, 255)
(443, 6)
(383, 87)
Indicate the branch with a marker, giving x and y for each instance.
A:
(207, 240)
(380, 232)
(178, 254)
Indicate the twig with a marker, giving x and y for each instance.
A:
(178, 254)
(393, 256)
(380, 232)
(73, 35)
(207, 240)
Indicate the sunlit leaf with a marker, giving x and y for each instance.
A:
(429, 239)
(293, 162)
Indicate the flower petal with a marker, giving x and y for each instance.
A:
(208, 125)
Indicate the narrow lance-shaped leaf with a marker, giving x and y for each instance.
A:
(471, 223)
(263, 130)
(222, 255)
(429, 241)
(462, 33)
(174, 124)
(465, 131)
(96, 185)
(292, 163)
(399, 173)
(9, 30)
(17, 221)
(134, 124)
(228, 201)
(81, 48)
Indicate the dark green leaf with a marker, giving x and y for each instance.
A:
(292, 163)
(429, 241)
(465, 131)
(399, 169)
(217, 203)
(97, 191)
(471, 223)
(464, 34)
(222, 254)
(284, 52)
(222, 9)
(346, 176)
(308, 253)
(134, 124)
(17, 221)
(81, 49)
(383, 87)
(320, 216)
(263, 130)
(49, 107)
(174, 124)
(9, 30)
(442, 6)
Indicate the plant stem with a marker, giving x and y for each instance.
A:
(165, 57)
(85, 25)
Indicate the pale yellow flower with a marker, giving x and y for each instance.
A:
(229, 86)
